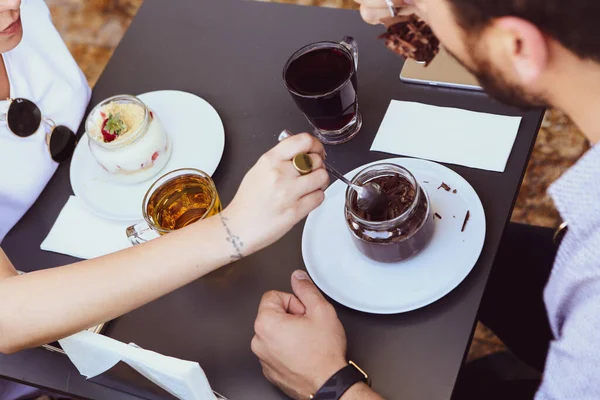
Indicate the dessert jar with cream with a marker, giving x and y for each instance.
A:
(401, 228)
(127, 139)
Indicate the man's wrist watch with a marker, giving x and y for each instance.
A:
(340, 382)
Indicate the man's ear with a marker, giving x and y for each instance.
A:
(523, 44)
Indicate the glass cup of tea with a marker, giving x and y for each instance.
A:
(322, 79)
(174, 201)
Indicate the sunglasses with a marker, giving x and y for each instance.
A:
(24, 119)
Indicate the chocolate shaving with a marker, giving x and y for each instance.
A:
(466, 220)
(455, 191)
(445, 187)
(437, 215)
(411, 37)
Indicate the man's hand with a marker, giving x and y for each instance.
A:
(299, 339)
(378, 12)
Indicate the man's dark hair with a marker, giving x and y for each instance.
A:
(573, 23)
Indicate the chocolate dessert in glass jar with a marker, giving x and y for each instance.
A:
(402, 227)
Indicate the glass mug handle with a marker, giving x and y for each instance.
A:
(136, 232)
(350, 43)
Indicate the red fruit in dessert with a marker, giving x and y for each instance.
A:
(112, 127)
(106, 135)
(151, 115)
(154, 156)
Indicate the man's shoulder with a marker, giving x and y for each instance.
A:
(576, 194)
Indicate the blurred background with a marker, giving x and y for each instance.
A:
(93, 28)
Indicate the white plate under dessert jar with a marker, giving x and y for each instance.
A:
(127, 139)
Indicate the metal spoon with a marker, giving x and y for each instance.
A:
(370, 197)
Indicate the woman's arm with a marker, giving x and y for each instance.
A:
(6, 267)
(46, 305)
(42, 306)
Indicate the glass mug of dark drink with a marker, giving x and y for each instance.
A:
(174, 201)
(322, 79)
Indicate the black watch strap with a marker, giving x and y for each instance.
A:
(340, 382)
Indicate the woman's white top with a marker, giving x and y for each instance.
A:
(42, 70)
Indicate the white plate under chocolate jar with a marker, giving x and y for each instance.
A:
(351, 278)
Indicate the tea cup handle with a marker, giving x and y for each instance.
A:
(350, 43)
(136, 232)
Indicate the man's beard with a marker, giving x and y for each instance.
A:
(496, 86)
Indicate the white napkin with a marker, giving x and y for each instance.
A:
(94, 354)
(80, 233)
(450, 135)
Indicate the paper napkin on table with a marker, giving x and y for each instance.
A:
(449, 135)
(94, 354)
(80, 233)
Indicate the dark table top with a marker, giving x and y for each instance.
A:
(231, 53)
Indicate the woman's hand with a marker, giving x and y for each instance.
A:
(273, 196)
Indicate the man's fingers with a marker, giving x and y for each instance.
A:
(307, 292)
(256, 347)
(374, 16)
(400, 16)
(382, 3)
(378, 11)
(274, 306)
(296, 307)
(268, 373)
(275, 301)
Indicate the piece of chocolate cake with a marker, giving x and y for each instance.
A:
(411, 37)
